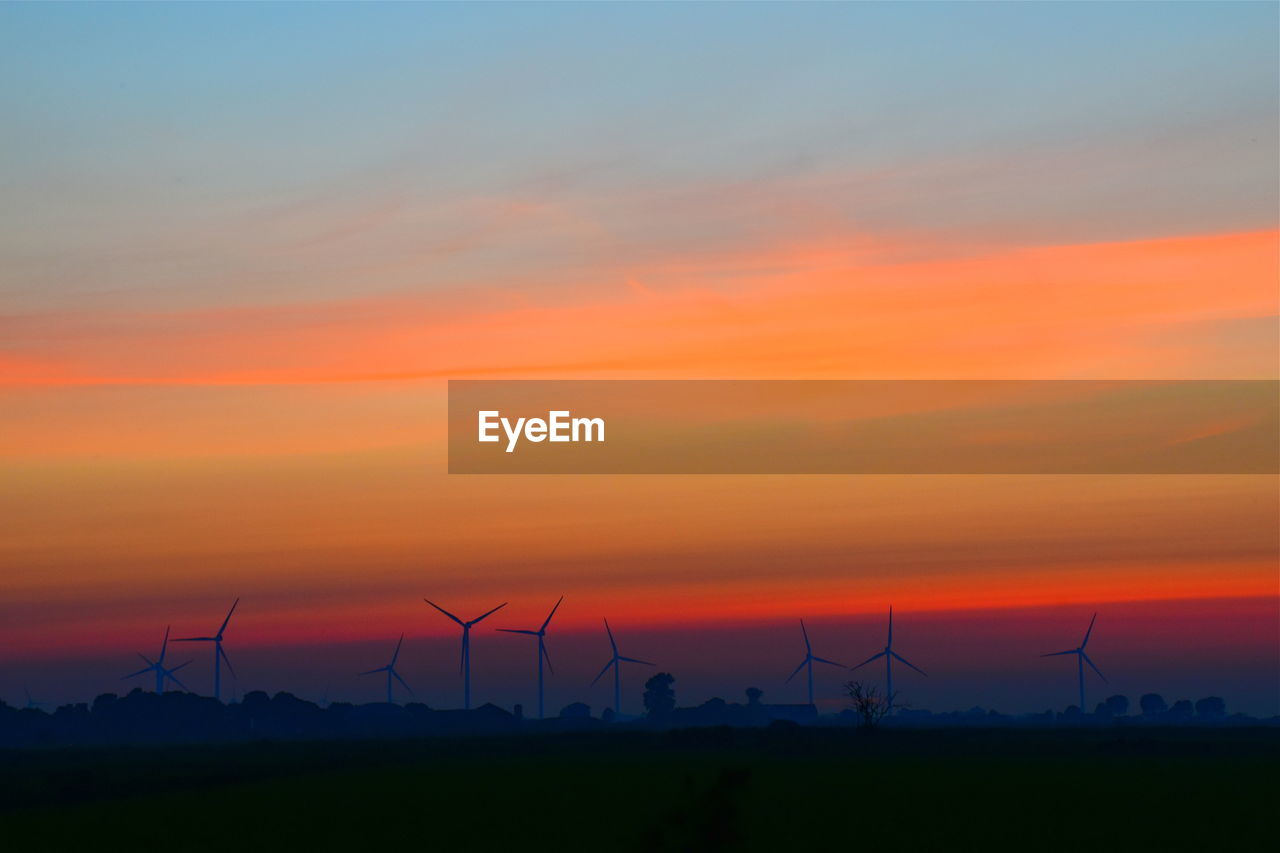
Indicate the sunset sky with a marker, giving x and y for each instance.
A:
(243, 247)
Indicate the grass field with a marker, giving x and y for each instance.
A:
(716, 789)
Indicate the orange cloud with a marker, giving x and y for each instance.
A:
(809, 311)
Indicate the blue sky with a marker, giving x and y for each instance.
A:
(142, 125)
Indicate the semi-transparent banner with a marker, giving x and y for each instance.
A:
(864, 427)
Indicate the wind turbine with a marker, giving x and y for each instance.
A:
(390, 670)
(466, 647)
(31, 703)
(541, 634)
(219, 655)
(157, 666)
(809, 658)
(1081, 660)
(889, 654)
(613, 662)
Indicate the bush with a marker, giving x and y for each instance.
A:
(659, 697)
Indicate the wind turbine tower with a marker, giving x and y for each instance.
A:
(809, 658)
(390, 670)
(219, 654)
(613, 662)
(32, 705)
(889, 655)
(541, 634)
(1081, 659)
(466, 647)
(157, 666)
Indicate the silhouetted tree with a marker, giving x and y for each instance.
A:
(1152, 705)
(753, 695)
(1181, 710)
(1118, 705)
(256, 702)
(575, 711)
(1211, 707)
(867, 703)
(659, 697)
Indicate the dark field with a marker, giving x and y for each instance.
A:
(1166, 789)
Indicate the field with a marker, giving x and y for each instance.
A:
(708, 789)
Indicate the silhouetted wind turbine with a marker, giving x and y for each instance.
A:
(613, 662)
(1081, 660)
(157, 666)
(390, 670)
(31, 703)
(541, 634)
(466, 647)
(809, 658)
(889, 654)
(218, 654)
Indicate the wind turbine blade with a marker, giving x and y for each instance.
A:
(180, 666)
(175, 680)
(372, 671)
(135, 674)
(488, 614)
(1090, 631)
(1055, 654)
(797, 672)
(395, 656)
(149, 661)
(824, 660)
(636, 660)
(867, 661)
(164, 647)
(552, 613)
(227, 661)
(397, 677)
(234, 605)
(546, 657)
(602, 672)
(462, 653)
(1094, 668)
(442, 610)
(890, 643)
(908, 663)
(612, 644)
(194, 639)
(808, 648)
(516, 631)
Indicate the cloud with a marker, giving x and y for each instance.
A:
(827, 307)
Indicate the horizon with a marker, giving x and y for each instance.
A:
(997, 668)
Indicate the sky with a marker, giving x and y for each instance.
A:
(243, 247)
